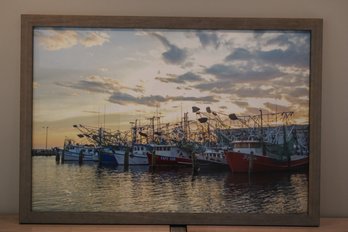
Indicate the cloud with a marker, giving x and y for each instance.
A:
(279, 60)
(53, 40)
(57, 39)
(291, 80)
(126, 99)
(174, 54)
(249, 79)
(208, 38)
(184, 88)
(154, 100)
(241, 104)
(138, 88)
(254, 111)
(241, 91)
(288, 57)
(95, 84)
(189, 77)
(299, 106)
(239, 73)
(289, 49)
(91, 39)
(181, 79)
(267, 109)
(289, 39)
(276, 107)
(115, 89)
(299, 92)
(98, 84)
(255, 92)
(298, 102)
(206, 99)
(214, 86)
(239, 54)
(265, 82)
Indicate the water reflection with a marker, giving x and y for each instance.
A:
(93, 188)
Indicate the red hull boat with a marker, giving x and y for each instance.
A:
(239, 162)
(166, 160)
(247, 156)
(168, 155)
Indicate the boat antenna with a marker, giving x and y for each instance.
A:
(98, 116)
(104, 114)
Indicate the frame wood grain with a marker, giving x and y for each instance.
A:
(29, 22)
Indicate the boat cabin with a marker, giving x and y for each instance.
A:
(248, 147)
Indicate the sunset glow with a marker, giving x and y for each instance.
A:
(111, 77)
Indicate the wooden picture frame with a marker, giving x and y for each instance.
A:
(30, 22)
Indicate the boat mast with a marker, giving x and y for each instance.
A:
(186, 127)
(285, 146)
(261, 124)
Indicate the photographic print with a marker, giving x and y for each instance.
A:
(180, 121)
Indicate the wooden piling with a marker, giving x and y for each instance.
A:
(63, 157)
(126, 159)
(251, 157)
(195, 165)
(81, 156)
(57, 156)
(153, 161)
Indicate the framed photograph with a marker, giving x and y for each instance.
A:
(170, 120)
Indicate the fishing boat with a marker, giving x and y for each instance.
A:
(136, 156)
(106, 157)
(168, 155)
(112, 146)
(211, 157)
(268, 142)
(78, 152)
(116, 152)
(256, 156)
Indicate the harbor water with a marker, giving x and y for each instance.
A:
(91, 188)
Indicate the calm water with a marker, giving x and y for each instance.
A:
(89, 188)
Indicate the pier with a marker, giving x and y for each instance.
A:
(45, 152)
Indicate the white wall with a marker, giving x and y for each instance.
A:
(334, 171)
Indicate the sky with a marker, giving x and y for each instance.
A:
(110, 77)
